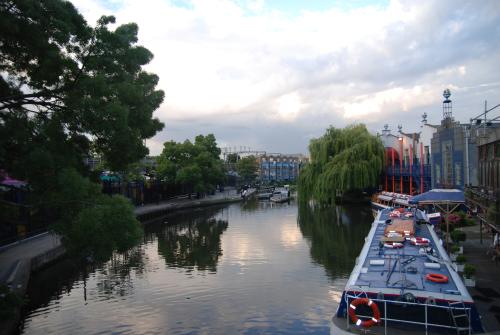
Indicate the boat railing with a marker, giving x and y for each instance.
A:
(451, 308)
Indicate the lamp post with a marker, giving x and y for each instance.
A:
(400, 139)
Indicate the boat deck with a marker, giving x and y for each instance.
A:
(405, 268)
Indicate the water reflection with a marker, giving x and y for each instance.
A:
(115, 278)
(336, 235)
(194, 241)
(264, 272)
(193, 244)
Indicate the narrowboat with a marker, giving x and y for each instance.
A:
(404, 282)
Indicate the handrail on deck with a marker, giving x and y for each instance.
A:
(426, 324)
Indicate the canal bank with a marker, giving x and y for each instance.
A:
(153, 212)
(20, 259)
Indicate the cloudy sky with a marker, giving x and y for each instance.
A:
(272, 74)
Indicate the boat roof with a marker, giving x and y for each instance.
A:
(398, 270)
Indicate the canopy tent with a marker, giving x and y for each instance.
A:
(109, 178)
(446, 200)
(6, 180)
(439, 197)
(13, 183)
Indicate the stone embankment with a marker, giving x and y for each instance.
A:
(18, 260)
(152, 212)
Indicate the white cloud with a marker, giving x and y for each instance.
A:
(289, 106)
(221, 60)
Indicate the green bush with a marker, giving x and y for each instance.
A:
(469, 270)
(9, 302)
(458, 235)
(461, 259)
(454, 249)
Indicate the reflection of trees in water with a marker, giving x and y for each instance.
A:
(250, 205)
(336, 235)
(194, 241)
(114, 277)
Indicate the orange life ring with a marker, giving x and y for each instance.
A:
(437, 278)
(364, 323)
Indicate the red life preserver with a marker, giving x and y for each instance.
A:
(393, 245)
(364, 323)
(420, 241)
(437, 278)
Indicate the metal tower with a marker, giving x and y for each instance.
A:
(447, 105)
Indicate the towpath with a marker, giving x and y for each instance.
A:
(486, 294)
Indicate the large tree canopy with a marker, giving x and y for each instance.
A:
(69, 90)
(247, 168)
(64, 81)
(196, 164)
(341, 160)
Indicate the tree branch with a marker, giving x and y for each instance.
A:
(44, 93)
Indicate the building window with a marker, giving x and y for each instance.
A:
(438, 174)
(447, 164)
(458, 174)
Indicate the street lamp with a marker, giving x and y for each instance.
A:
(400, 139)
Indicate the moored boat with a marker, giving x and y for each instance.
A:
(280, 196)
(384, 200)
(265, 193)
(404, 280)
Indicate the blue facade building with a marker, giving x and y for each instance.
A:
(454, 156)
(278, 167)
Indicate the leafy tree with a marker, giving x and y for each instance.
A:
(232, 158)
(493, 215)
(66, 82)
(67, 91)
(247, 168)
(341, 160)
(195, 164)
(10, 302)
(90, 222)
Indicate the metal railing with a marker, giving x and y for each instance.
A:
(426, 306)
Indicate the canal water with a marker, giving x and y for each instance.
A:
(255, 268)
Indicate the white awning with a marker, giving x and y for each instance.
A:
(384, 198)
(401, 202)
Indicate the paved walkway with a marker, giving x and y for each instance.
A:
(486, 294)
(15, 257)
(228, 195)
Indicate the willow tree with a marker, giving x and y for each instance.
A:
(342, 160)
